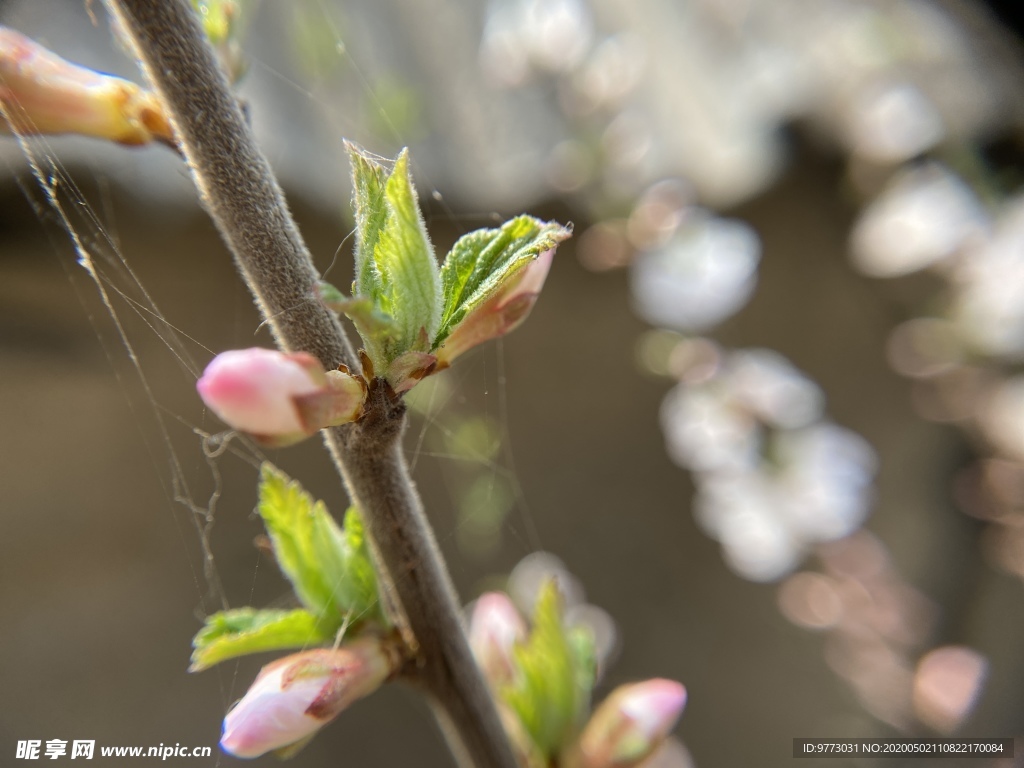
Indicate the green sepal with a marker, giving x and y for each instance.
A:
(480, 263)
(242, 631)
(546, 694)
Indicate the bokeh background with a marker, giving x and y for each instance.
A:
(767, 411)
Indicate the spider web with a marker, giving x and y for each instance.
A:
(150, 352)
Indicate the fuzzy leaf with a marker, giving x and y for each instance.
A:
(368, 181)
(329, 568)
(409, 275)
(395, 265)
(481, 262)
(239, 632)
(288, 513)
(546, 694)
(345, 560)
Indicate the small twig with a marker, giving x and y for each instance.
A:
(246, 203)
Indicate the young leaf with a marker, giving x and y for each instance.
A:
(547, 694)
(346, 564)
(481, 263)
(409, 275)
(368, 180)
(242, 631)
(330, 568)
(288, 513)
(396, 303)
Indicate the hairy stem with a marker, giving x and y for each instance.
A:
(242, 196)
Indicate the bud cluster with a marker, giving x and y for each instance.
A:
(542, 677)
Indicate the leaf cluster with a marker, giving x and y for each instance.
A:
(330, 570)
(550, 693)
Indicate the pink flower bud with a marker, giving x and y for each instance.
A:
(42, 93)
(503, 312)
(276, 397)
(494, 630)
(294, 697)
(630, 724)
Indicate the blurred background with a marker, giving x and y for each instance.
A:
(769, 411)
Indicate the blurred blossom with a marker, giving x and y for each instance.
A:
(774, 389)
(990, 301)
(860, 557)
(503, 57)
(755, 544)
(610, 72)
(704, 432)
(671, 754)
(655, 350)
(924, 347)
(627, 140)
(1003, 544)
(954, 395)
(893, 122)
(924, 216)
(553, 35)
(570, 166)
(604, 246)
(495, 628)
(534, 571)
(810, 600)
(704, 274)
(874, 619)
(947, 685)
(826, 477)
(773, 477)
(658, 213)
(558, 33)
(695, 360)
(1002, 417)
(1003, 481)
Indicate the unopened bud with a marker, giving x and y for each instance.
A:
(41, 93)
(494, 630)
(276, 397)
(292, 698)
(630, 724)
(501, 313)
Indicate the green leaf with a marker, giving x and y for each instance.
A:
(329, 568)
(547, 695)
(229, 634)
(404, 257)
(481, 262)
(395, 264)
(345, 560)
(217, 17)
(368, 181)
(288, 513)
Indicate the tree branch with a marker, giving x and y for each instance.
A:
(243, 198)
